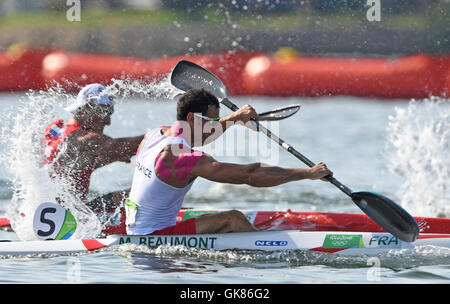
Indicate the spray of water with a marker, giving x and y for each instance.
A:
(418, 150)
(23, 138)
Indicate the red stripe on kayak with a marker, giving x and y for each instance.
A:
(329, 250)
(92, 244)
(4, 222)
(433, 236)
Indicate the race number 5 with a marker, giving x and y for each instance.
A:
(53, 222)
(49, 222)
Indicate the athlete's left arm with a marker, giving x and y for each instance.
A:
(109, 150)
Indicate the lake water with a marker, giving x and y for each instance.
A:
(398, 148)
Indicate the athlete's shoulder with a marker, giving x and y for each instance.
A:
(58, 122)
(88, 138)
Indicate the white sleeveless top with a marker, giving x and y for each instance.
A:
(153, 205)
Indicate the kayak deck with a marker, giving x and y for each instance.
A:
(305, 221)
(342, 243)
(114, 222)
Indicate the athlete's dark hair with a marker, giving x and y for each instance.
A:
(195, 101)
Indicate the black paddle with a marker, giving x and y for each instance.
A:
(382, 210)
(279, 113)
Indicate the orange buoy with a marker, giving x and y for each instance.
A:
(415, 76)
(72, 70)
(20, 68)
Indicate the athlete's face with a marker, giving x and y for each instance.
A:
(210, 126)
(104, 112)
(203, 126)
(98, 116)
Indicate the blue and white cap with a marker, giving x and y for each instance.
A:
(91, 93)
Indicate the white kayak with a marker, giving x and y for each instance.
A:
(53, 226)
(337, 242)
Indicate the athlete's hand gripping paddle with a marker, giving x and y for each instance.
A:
(382, 210)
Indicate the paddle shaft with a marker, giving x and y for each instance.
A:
(229, 104)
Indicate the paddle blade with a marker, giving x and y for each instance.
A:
(278, 114)
(386, 213)
(187, 75)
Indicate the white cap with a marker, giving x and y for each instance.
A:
(90, 93)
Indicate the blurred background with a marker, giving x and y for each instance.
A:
(156, 28)
(258, 47)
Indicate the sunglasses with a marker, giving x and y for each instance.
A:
(102, 110)
(210, 119)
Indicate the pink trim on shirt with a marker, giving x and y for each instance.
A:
(186, 162)
(161, 168)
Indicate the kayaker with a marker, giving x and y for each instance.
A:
(166, 167)
(77, 146)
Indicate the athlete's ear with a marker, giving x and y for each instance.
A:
(190, 117)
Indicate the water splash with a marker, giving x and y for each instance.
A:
(393, 259)
(31, 182)
(159, 88)
(23, 137)
(418, 150)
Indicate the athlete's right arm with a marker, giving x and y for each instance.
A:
(256, 174)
